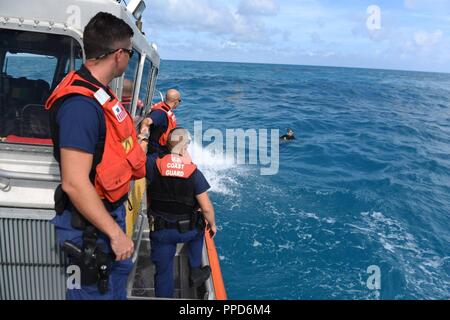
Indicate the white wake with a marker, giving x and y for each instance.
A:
(220, 172)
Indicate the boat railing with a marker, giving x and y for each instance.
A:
(29, 176)
(137, 237)
(160, 94)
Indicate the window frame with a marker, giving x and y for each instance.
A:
(147, 86)
(155, 71)
(136, 81)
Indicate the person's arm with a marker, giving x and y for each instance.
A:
(144, 145)
(145, 125)
(143, 140)
(156, 118)
(144, 133)
(75, 168)
(208, 211)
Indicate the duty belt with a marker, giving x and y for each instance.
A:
(184, 224)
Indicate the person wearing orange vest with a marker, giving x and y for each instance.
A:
(127, 92)
(161, 121)
(99, 154)
(177, 189)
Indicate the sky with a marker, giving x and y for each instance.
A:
(382, 34)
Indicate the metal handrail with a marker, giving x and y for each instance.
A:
(160, 94)
(29, 176)
(138, 239)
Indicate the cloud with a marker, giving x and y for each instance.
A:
(412, 36)
(429, 5)
(194, 15)
(230, 44)
(316, 38)
(212, 17)
(427, 39)
(410, 4)
(258, 7)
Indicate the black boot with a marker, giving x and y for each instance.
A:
(198, 276)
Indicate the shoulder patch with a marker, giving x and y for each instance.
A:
(101, 96)
(119, 112)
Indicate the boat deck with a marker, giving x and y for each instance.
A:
(142, 287)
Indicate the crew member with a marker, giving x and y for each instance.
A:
(177, 189)
(99, 154)
(127, 92)
(161, 121)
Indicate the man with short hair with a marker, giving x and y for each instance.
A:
(176, 189)
(99, 154)
(161, 121)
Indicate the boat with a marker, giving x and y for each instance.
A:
(40, 42)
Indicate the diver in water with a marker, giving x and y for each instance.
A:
(288, 136)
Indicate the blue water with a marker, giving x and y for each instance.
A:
(367, 182)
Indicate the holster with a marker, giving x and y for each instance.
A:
(94, 263)
(184, 226)
(61, 200)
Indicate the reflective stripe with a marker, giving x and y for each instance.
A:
(101, 96)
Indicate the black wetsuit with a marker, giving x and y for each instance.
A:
(287, 137)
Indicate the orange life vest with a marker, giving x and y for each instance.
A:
(123, 159)
(175, 166)
(171, 121)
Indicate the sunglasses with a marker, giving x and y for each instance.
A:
(129, 51)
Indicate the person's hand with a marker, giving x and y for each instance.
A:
(145, 125)
(212, 230)
(122, 246)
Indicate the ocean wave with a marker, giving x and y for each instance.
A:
(365, 182)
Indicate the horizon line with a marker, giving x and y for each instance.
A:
(310, 65)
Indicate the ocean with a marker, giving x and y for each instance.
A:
(359, 208)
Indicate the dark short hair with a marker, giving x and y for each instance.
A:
(102, 32)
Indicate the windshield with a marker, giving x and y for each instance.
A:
(32, 64)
